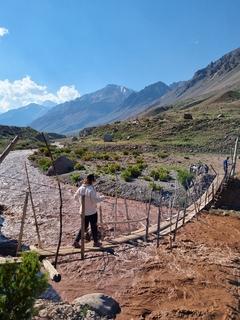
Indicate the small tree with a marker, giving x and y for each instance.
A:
(185, 177)
(20, 285)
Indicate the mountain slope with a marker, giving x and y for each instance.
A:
(137, 102)
(77, 114)
(24, 115)
(222, 74)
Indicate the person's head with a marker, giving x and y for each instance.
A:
(90, 179)
(227, 158)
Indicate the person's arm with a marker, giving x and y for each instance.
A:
(94, 197)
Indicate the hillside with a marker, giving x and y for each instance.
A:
(28, 137)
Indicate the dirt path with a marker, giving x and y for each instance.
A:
(199, 279)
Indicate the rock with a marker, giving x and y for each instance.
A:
(100, 303)
(107, 138)
(86, 132)
(74, 138)
(187, 116)
(62, 165)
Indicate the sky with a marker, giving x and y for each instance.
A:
(59, 50)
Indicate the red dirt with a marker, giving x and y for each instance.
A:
(198, 279)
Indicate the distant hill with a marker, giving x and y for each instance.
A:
(79, 113)
(23, 115)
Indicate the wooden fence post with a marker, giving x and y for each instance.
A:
(83, 227)
(34, 213)
(127, 216)
(22, 223)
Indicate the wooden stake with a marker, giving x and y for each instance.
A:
(115, 214)
(34, 213)
(175, 231)
(129, 229)
(159, 219)
(101, 220)
(83, 227)
(22, 223)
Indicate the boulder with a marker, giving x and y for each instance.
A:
(74, 138)
(187, 116)
(62, 165)
(100, 303)
(107, 138)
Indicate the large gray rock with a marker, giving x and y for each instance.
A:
(107, 138)
(62, 165)
(100, 303)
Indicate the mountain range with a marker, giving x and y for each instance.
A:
(118, 103)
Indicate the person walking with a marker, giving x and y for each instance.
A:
(225, 165)
(91, 199)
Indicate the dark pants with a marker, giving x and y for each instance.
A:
(92, 219)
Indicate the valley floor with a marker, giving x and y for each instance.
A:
(198, 279)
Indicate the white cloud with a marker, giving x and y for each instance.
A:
(3, 31)
(25, 91)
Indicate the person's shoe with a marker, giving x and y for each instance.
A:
(76, 244)
(97, 244)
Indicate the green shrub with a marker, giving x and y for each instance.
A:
(75, 177)
(146, 178)
(105, 156)
(185, 177)
(135, 153)
(139, 160)
(20, 285)
(154, 174)
(126, 175)
(142, 166)
(44, 163)
(79, 166)
(125, 152)
(135, 171)
(162, 155)
(155, 187)
(116, 157)
(87, 156)
(32, 157)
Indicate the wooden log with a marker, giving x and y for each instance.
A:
(54, 275)
(121, 222)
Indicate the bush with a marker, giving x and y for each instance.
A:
(75, 177)
(126, 175)
(20, 285)
(44, 163)
(79, 166)
(135, 171)
(162, 155)
(154, 174)
(155, 187)
(185, 177)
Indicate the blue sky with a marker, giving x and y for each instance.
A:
(62, 49)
